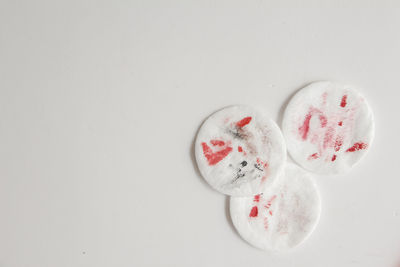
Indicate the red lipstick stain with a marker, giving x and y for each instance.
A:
(243, 122)
(338, 143)
(344, 101)
(217, 142)
(340, 123)
(240, 149)
(215, 157)
(257, 198)
(357, 146)
(313, 156)
(333, 157)
(266, 223)
(328, 138)
(305, 128)
(254, 212)
(323, 120)
(269, 203)
(270, 212)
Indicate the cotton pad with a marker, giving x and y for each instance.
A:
(283, 216)
(328, 127)
(240, 151)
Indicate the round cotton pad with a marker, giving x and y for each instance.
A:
(283, 216)
(240, 151)
(328, 127)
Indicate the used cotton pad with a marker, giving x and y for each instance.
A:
(283, 216)
(328, 127)
(240, 151)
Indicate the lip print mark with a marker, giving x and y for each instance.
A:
(333, 157)
(254, 212)
(257, 198)
(343, 103)
(215, 157)
(243, 122)
(240, 149)
(357, 146)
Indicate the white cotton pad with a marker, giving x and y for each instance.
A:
(328, 127)
(283, 216)
(240, 151)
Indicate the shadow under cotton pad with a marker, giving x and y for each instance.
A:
(240, 151)
(328, 127)
(283, 216)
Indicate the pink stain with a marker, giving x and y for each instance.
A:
(338, 143)
(324, 127)
(305, 128)
(269, 202)
(328, 138)
(266, 223)
(263, 179)
(257, 198)
(313, 156)
(215, 157)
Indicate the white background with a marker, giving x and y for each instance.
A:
(100, 102)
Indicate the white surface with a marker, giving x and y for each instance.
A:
(283, 216)
(328, 127)
(99, 107)
(252, 168)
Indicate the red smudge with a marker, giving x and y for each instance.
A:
(215, 157)
(257, 198)
(269, 203)
(344, 101)
(340, 123)
(254, 212)
(313, 156)
(328, 137)
(263, 179)
(240, 149)
(333, 157)
(305, 128)
(243, 122)
(217, 142)
(323, 120)
(357, 146)
(338, 143)
(270, 212)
